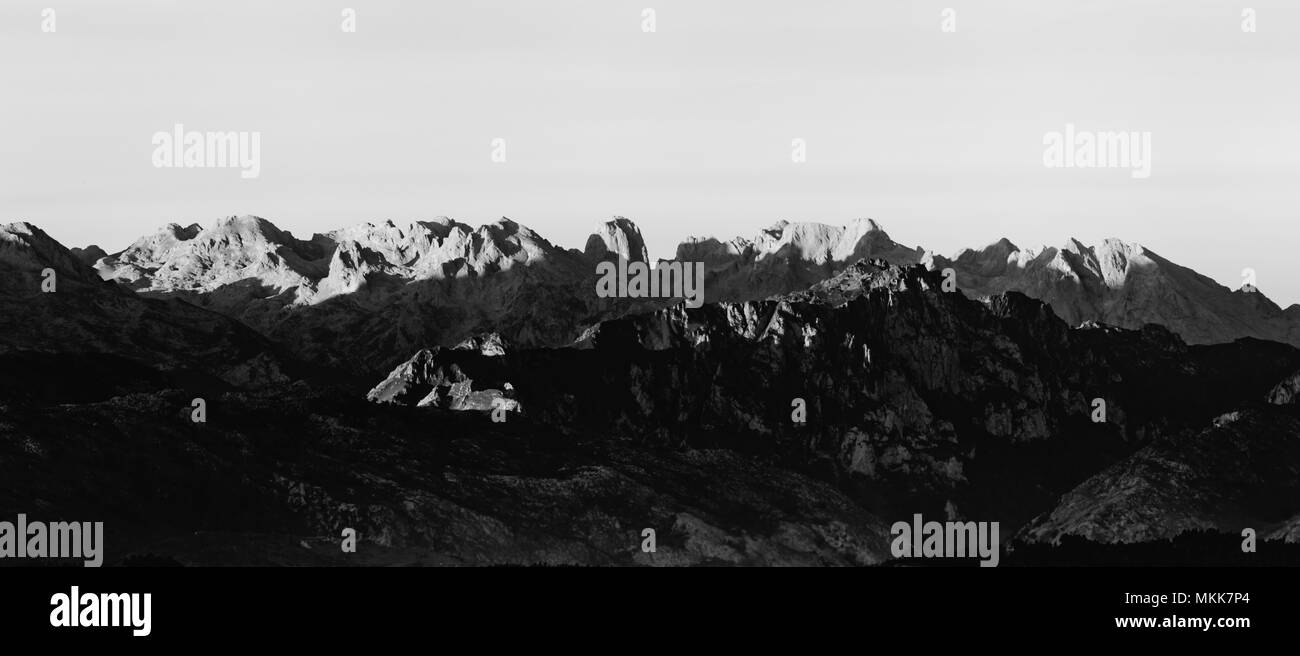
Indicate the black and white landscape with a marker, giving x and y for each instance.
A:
(238, 325)
(462, 395)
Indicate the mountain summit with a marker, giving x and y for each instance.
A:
(618, 237)
(54, 305)
(1122, 284)
(788, 257)
(378, 289)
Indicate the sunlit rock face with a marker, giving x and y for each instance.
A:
(1122, 284)
(109, 338)
(364, 293)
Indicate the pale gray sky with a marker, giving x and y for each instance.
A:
(687, 130)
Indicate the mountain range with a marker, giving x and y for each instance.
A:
(514, 417)
(359, 294)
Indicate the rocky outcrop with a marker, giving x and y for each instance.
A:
(355, 296)
(1243, 471)
(425, 381)
(618, 239)
(914, 398)
(106, 339)
(788, 257)
(1122, 284)
(1288, 532)
(1238, 472)
(1285, 392)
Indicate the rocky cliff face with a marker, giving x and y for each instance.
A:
(916, 400)
(1122, 284)
(1286, 392)
(617, 239)
(788, 257)
(103, 338)
(422, 381)
(1240, 472)
(356, 296)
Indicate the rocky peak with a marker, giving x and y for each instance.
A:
(788, 257)
(618, 237)
(29, 250)
(436, 378)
